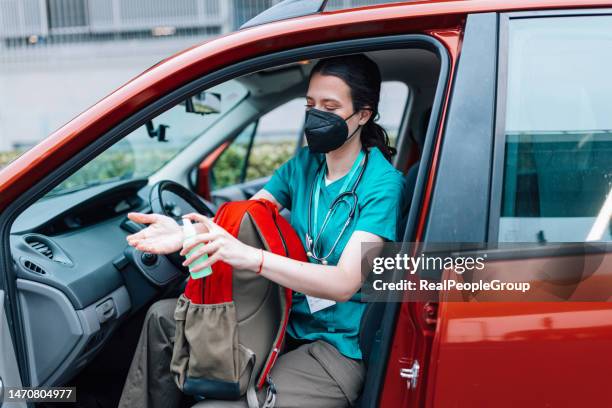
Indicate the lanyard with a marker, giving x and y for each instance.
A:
(319, 178)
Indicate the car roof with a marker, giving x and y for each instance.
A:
(463, 6)
(482, 5)
(474, 6)
(409, 9)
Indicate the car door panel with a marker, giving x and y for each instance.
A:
(9, 371)
(507, 354)
(539, 353)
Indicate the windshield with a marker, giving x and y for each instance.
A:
(151, 146)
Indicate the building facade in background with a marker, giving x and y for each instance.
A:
(58, 57)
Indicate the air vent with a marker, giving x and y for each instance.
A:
(33, 267)
(46, 247)
(41, 247)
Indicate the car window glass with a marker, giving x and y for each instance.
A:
(228, 168)
(393, 99)
(275, 139)
(141, 153)
(274, 142)
(558, 131)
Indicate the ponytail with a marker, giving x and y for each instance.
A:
(374, 135)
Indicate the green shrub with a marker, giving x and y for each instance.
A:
(264, 159)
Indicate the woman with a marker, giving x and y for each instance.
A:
(321, 364)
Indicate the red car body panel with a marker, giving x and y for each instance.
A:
(522, 355)
(531, 354)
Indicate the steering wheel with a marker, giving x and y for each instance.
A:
(172, 199)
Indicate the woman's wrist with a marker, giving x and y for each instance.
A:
(254, 259)
(261, 251)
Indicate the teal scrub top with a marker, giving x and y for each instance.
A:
(380, 193)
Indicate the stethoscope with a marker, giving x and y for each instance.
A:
(311, 244)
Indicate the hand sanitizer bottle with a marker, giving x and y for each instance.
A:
(189, 232)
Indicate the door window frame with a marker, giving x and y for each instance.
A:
(460, 197)
(499, 142)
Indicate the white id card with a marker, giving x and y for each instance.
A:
(315, 304)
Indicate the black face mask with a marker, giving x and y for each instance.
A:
(326, 131)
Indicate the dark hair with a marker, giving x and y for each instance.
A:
(362, 76)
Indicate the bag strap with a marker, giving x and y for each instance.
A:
(270, 394)
(251, 392)
(251, 395)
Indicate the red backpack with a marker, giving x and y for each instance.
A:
(230, 325)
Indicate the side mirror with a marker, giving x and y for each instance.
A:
(203, 103)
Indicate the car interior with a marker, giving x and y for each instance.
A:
(83, 292)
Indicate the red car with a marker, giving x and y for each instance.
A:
(503, 125)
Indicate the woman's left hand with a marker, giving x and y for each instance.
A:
(219, 245)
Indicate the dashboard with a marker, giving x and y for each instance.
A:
(77, 278)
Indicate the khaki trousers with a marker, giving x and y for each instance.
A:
(312, 375)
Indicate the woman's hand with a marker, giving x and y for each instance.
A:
(219, 245)
(162, 236)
